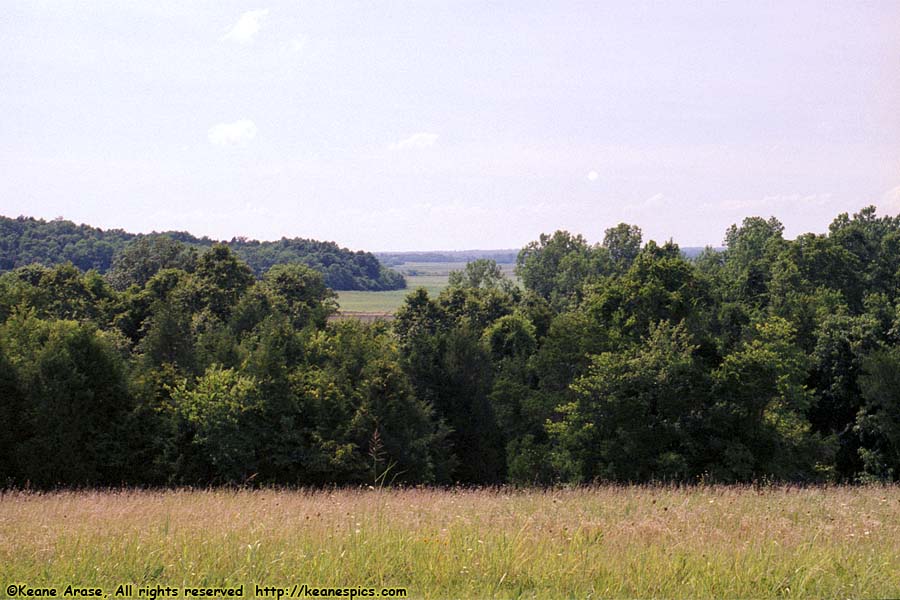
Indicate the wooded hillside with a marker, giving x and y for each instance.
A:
(24, 241)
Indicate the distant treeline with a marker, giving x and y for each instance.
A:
(502, 257)
(771, 360)
(392, 259)
(25, 241)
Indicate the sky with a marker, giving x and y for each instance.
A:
(448, 125)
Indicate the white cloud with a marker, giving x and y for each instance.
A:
(593, 176)
(247, 27)
(656, 201)
(232, 134)
(416, 140)
(653, 203)
(298, 44)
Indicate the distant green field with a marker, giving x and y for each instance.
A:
(412, 269)
(431, 276)
(390, 301)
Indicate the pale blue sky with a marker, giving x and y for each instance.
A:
(448, 125)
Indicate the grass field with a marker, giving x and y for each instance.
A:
(443, 268)
(390, 301)
(703, 542)
(431, 276)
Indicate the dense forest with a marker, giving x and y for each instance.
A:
(771, 360)
(25, 241)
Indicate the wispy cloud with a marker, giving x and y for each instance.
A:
(593, 176)
(417, 140)
(297, 44)
(232, 134)
(654, 203)
(247, 26)
(773, 202)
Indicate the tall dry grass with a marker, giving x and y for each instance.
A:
(736, 542)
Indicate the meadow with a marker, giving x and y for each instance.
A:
(429, 275)
(609, 541)
(390, 301)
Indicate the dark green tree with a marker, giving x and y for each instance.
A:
(750, 251)
(11, 407)
(145, 256)
(756, 424)
(557, 266)
(878, 421)
(450, 370)
(221, 280)
(75, 405)
(301, 294)
(634, 413)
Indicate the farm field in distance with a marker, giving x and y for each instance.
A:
(608, 541)
(432, 276)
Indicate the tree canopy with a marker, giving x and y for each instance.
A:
(773, 359)
(127, 258)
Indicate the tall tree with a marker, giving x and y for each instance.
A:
(301, 294)
(750, 251)
(145, 256)
(222, 278)
(756, 426)
(878, 422)
(75, 406)
(633, 416)
(557, 266)
(623, 243)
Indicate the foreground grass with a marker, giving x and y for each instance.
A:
(592, 542)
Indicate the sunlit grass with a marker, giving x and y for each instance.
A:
(591, 542)
(388, 302)
(431, 276)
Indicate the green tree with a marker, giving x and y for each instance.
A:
(24, 241)
(632, 416)
(145, 256)
(11, 407)
(220, 416)
(623, 243)
(750, 251)
(301, 294)
(519, 407)
(482, 273)
(814, 262)
(842, 343)
(873, 241)
(756, 425)
(75, 405)
(660, 286)
(167, 338)
(557, 266)
(368, 424)
(60, 292)
(878, 421)
(450, 370)
(221, 280)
